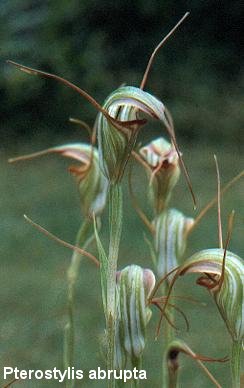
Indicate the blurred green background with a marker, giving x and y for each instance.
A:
(100, 45)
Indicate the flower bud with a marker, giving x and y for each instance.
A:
(117, 139)
(227, 287)
(178, 346)
(170, 239)
(163, 167)
(134, 286)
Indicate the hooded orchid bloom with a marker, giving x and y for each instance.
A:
(92, 184)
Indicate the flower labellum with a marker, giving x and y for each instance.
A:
(164, 171)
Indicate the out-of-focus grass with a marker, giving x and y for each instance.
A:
(33, 268)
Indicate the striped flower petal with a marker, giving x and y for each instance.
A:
(134, 286)
(229, 296)
(170, 239)
(115, 144)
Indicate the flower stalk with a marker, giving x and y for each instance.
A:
(168, 337)
(236, 364)
(83, 239)
(115, 227)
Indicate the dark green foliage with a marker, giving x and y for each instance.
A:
(100, 45)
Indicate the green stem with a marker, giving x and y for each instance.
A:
(115, 227)
(173, 379)
(136, 362)
(236, 364)
(83, 239)
(169, 380)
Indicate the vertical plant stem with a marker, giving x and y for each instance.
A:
(136, 362)
(169, 380)
(115, 227)
(173, 379)
(236, 364)
(83, 238)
